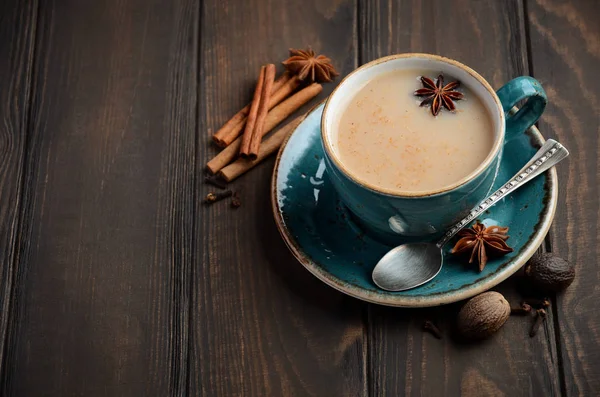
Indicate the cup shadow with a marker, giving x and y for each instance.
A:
(296, 278)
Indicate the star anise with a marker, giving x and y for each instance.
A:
(439, 94)
(479, 241)
(306, 64)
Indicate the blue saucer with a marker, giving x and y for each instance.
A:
(321, 234)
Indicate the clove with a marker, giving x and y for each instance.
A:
(522, 310)
(535, 302)
(216, 181)
(539, 319)
(432, 329)
(235, 200)
(214, 197)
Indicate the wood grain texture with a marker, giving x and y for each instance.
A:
(262, 325)
(565, 48)
(106, 227)
(115, 280)
(490, 37)
(17, 34)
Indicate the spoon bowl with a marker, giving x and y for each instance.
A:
(408, 266)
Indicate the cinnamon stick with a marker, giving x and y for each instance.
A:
(224, 138)
(269, 146)
(275, 116)
(253, 114)
(240, 116)
(253, 132)
(281, 80)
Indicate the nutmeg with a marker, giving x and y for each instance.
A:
(548, 272)
(483, 315)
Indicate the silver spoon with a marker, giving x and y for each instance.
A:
(410, 265)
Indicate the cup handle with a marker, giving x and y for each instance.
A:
(516, 90)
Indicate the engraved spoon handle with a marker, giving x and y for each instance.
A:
(550, 154)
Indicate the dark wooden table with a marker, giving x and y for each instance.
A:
(116, 281)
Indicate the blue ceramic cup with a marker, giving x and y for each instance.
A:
(399, 216)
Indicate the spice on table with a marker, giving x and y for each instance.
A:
(254, 128)
(216, 181)
(258, 105)
(275, 116)
(480, 241)
(235, 131)
(438, 94)
(539, 319)
(235, 200)
(483, 315)
(251, 152)
(284, 91)
(548, 272)
(251, 145)
(309, 66)
(540, 303)
(430, 327)
(269, 146)
(214, 197)
(522, 310)
(282, 88)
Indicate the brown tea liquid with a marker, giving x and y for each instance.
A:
(386, 139)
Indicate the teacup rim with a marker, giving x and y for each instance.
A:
(496, 148)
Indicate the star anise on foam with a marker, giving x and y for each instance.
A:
(307, 65)
(439, 94)
(481, 241)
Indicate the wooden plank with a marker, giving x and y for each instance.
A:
(106, 245)
(565, 48)
(17, 34)
(262, 325)
(490, 37)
